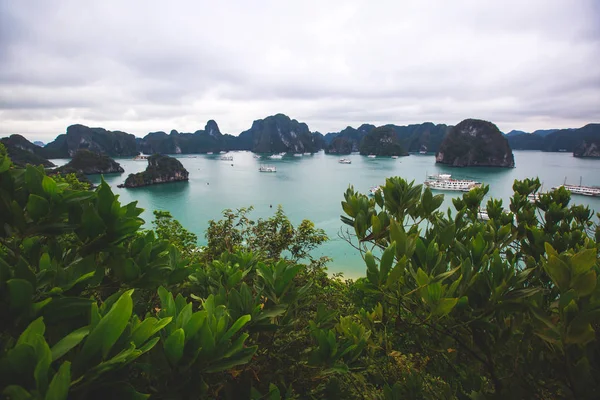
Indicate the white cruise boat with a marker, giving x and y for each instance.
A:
(445, 182)
(267, 168)
(140, 157)
(227, 158)
(394, 156)
(344, 161)
(592, 191)
(298, 154)
(210, 153)
(371, 156)
(222, 152)
(276, 157)
(582, 190)
(308, 154)
(482, 215)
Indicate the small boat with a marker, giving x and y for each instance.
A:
(209, 153)
(394, 156)
(344, 161)
(371, 156)
(256, 156)
(308, 154)
(423, 152)
(374, 190)
(267, 168)
(482, 215)
(227, 158)
(140, 157)
(298, 155)
(445, 182)
(276, 157)
(222, 152)
(592, 191)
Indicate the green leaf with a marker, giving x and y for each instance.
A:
(147, 328)
(584, 284)
(49, 185)
(44, 359)
(68, 342)
(445, 306)
(35, 328)
(372, 270)
(239, 324)
(45, 262)
(37, 207)
(59, 387)
(386, 262)
(20, 294)
(174, 346)
(15, 392)
(194, 323)
(242, 357)
(108, 330)
(558, 272)
(583, 261)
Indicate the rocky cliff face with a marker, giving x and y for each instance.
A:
(98, 140)
(161, 169)
(347, 140)
(23, 152)
(89, 163)
(201, 141)
(475, 142)
(588, 148)
(382, 141)
(278, 133)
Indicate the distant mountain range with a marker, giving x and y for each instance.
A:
(280, 133)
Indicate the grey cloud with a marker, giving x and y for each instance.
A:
(143, 66)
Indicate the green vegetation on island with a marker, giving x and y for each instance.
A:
(89, 163)
(475, 143)
(161, 169)
(382, 141)
(451, 307)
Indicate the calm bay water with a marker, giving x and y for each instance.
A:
(312, 187)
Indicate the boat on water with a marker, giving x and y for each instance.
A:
(222, 152)
(267, 168)
(482, 215)
(227, 158)
(298, 155)
(423, 152)
(344, 161)
(140, 157)
(592, 191)
(276, 156)
(256, 156)
(374, 190)
(308, 154)
(445, 182)
(209, 153)
(371, 156)
(394, 156)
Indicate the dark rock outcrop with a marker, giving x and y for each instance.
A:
(426, 136)
(475, 143)
(201, 141)
(23, 152)
(382, 141)
(89, 163)
(161, 169)
(346, 141)
(589, 149)
(98, 140)
(278, 133)
(526, 141)
(569, 139)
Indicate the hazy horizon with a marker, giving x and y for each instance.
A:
(146, 66)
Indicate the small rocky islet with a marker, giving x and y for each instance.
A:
(161, 169)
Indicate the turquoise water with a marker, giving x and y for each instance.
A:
(312, 187)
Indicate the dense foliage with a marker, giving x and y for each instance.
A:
(161, 168)
(451, 307)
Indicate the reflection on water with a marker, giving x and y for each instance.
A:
(312, 187)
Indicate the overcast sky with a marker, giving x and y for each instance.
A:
(142, 66)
